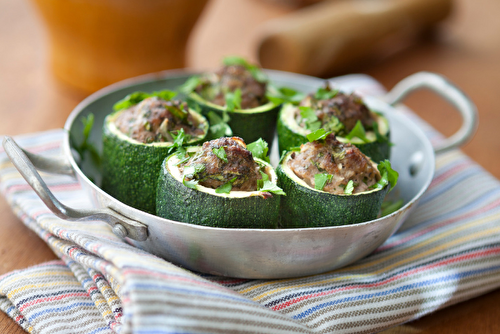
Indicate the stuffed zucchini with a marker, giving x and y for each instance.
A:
(343, 114)
(237, 94)
(143, 130)
(331, 183)
(219, 184)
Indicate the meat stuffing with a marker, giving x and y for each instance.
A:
(240, 164)
(344, 162)
(347, 108)
(154, 120)
(228, 79)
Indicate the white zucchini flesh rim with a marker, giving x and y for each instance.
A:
(291, 174)
(176, 174)
(288, 118)
(202, 124)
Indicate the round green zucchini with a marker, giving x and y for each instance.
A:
(304, 206)
(203, 206)
(249, 124)
(130, 168)
(291, 134)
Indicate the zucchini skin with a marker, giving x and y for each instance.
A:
(248, 124)
(287, 138)
(177, 202)
(130, 169)
(304, 207)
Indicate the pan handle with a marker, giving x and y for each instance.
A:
(451, 93)
(122, 226)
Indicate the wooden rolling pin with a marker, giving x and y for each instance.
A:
(330, 37)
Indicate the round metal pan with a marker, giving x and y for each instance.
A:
(249, 253)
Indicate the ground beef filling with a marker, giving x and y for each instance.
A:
(344, 162)
(154, 120)
(347, 108)
(217, 172)
(228, 79)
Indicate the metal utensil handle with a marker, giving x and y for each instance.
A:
(451, 93)
(122, 226)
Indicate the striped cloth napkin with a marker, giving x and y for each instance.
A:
(448, 251)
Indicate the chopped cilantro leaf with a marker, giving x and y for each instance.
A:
(325, 93)
(166, 95)
(190, 184)
(218, 126)
(192, 170)
(259, 149)
(235, 60)
(226, 187)
(359, 132)
(389, 176)
(256, 72)
(233, 100)
(190, 84)
(283, 95)
(179, 140)
(313, 126)
(268, 186)
(260, 182)
(86, 146)
(220, 153)
(308, 114)
(181, 155)
(319, 134)
(88, 123)
(333, 125)
(136, 97)
(320, 180)
(349, 188)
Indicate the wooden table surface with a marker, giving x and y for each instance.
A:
(466, 49)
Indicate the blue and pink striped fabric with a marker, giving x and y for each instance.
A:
(448, 251)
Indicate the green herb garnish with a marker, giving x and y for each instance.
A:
(333, 125)
(226, 187)
(389, 176)
(190, 184)
(190, 84)
(233, 100)
(265, 185)
(191, 171)
(220, 153)
(259, 149)
(256, 72)
(260, 182)
(181, 155)
(179, 139)
(320, 180)
(309, 116)
(319, 134)
(283, 95)
(349, 188)
(218, 126)
(86, 146)
(359, 132)
(325, 93)
(270, 187)
(136, 97)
